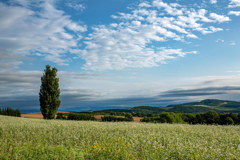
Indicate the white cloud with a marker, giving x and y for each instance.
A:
(209, 30)
(219, 40)
(144, 4)
(14, 83)
(213, 29)
(75, 27)
(213, 1)
(25, 31)
(236, 13)
(170, 9)
(78, 7)
(126, 47)
(202, 15)
(219, 18)
(10, 61)
(167, 22)
(233, 43)
(128, 42)
(22, 84)
(192, 36)
(136, 23)
(234, 3)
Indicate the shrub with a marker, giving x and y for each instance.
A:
(128, 117)
(60, 116)
(79, 117)
(111, 118)
(165, 117)
(229, 121)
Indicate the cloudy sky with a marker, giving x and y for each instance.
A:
(120, 53)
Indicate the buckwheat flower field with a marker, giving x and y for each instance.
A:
(25, 138)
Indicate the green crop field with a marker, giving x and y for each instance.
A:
(25, 138)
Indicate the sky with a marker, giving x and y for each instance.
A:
(120, 53)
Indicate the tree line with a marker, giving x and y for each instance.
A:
(210, 117)
(73, 116)
(112, 118)
(89, 117)
(10, 112)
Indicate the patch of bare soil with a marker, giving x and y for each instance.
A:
(98, 117)
(204, 106)
(36, 115)
(62, 112)
(137, 119)
(32, 115)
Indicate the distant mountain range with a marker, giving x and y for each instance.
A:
(220, 106)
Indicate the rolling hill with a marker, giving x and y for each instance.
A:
(220, 106)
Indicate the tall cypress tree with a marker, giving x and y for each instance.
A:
(49, 93)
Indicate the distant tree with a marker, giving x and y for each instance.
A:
(60, 116)
(128, 117)
(229, 121)
(49, 93)
(211, 117)
(190, 118)
(79, 117)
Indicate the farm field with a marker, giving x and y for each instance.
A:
(36, 115)
(27, 138)
(32, 115)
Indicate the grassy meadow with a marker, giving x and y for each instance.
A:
(26, 138)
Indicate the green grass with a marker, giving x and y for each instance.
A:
(22, 138)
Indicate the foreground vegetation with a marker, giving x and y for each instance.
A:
(58, 139)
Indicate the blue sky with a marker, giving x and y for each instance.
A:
(120, 53)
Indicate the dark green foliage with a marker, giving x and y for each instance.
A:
(10, 112)
(165, 117)
(140, 111)
(128, 117)
(210, 117)
(221, 103)
(188, 109)
(209, 111)
(60, 116)
(229, 121)
(211, 102)
(217, 105)
(111, 118)
(49, 93)
(190, 118)
(79, 117)
(220, 106)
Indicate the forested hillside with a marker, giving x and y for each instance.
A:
(220, 106)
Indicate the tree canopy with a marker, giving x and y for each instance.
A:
(49, 93)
